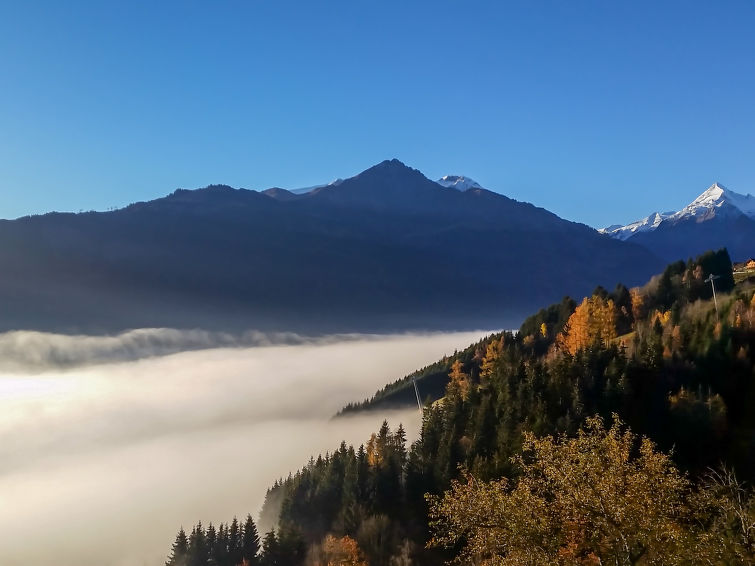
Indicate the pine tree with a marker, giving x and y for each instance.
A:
(212, 541)
(270, 550)
(220, 552)
(250, 544)
(199, 554)
(179, 554)
(234, 543)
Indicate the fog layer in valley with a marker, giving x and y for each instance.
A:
(105, 453)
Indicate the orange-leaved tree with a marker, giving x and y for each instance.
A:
(593, 320)
(603, 497)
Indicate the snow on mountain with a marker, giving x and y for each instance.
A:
(625, 232)
(716, 201)
(458, 182)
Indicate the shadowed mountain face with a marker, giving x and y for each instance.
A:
(690, 237)
(387, 249)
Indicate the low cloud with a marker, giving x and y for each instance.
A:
(113, 443)
(31, 351)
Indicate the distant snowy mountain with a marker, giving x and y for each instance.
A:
(458, 182)
(717, 218)
(625, 232)
(717, 200)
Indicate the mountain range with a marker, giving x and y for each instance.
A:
(718, 218)
(387, 249)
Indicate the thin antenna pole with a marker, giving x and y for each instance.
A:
(416, 392)
(712, 278)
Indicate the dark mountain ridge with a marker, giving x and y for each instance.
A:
(385, 250)
(734, 231)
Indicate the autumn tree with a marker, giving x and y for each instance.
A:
(593, 320)
(638, 304)
(492, 353)
(459, 381)
(603, 497)
(343, 551)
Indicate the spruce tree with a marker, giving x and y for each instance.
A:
(199, 553)
(234, 543)
(212, 540)
(179, 554)
(220, 552)
(270, 550)
(250, 545)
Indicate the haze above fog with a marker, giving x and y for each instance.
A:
(105, 452)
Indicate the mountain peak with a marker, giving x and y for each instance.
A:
(710, 196)
(706, 222)
(717, 199)
(389, 165)
(458, 182)
(390, 172)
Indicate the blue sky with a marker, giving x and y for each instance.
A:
(599, 111)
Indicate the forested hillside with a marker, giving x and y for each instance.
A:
(615, 429)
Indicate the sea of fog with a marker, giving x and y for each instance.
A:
(109, 444)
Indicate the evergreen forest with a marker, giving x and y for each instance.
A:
(612, 429)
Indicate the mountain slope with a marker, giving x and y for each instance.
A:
(717, 218)
(387, 249)
(682, 379)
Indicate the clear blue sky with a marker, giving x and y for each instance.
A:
(599, 111)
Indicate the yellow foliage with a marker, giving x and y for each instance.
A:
(662, 317)
(544, 330)
(604, 497)
(492, 353)
(593, 320)
(374, 457)
(638, 304)
(459, 379)
(342, 551)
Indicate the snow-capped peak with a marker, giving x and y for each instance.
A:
(714, 200)
(458, 182)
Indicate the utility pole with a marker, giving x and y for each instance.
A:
(712, 278)
(416, 392)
